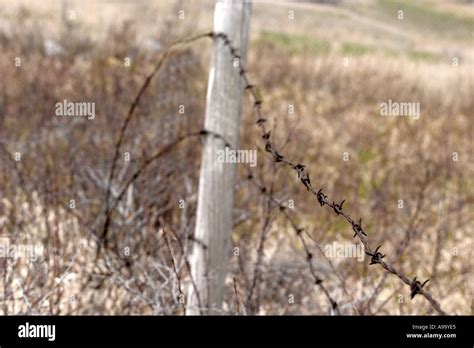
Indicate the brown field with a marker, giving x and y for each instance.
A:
(334, 64)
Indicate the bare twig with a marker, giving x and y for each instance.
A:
(236, 293)
(299, 233)
(176, 272)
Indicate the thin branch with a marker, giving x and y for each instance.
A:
(178, 277)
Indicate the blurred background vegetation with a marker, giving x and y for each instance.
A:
(335, 62)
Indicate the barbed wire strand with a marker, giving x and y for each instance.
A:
(126, 122)
(416, 287)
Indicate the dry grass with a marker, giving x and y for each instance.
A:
(336, 111)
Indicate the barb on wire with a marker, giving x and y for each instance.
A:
(321, 197)
(358, 228)
(338, 207)
(376, 256)
(416, 287)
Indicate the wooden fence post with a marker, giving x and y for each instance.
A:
(211, 252)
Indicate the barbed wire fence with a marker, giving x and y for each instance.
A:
(149, 167)
(321, 198)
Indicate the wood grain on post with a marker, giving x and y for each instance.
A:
(217, 180)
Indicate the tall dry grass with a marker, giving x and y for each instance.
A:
(336, 111)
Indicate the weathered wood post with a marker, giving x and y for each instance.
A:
(211, 253)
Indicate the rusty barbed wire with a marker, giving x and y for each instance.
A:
(376, 256)
(144, 165)
(302, 173)
(126, 122)
(322, 198)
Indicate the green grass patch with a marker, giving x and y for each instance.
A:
(338, 226)
(366, 155)
(294, 44)
(355, 49)
(363, 190)
(424, 15)
(424, 55)
(415, 55)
